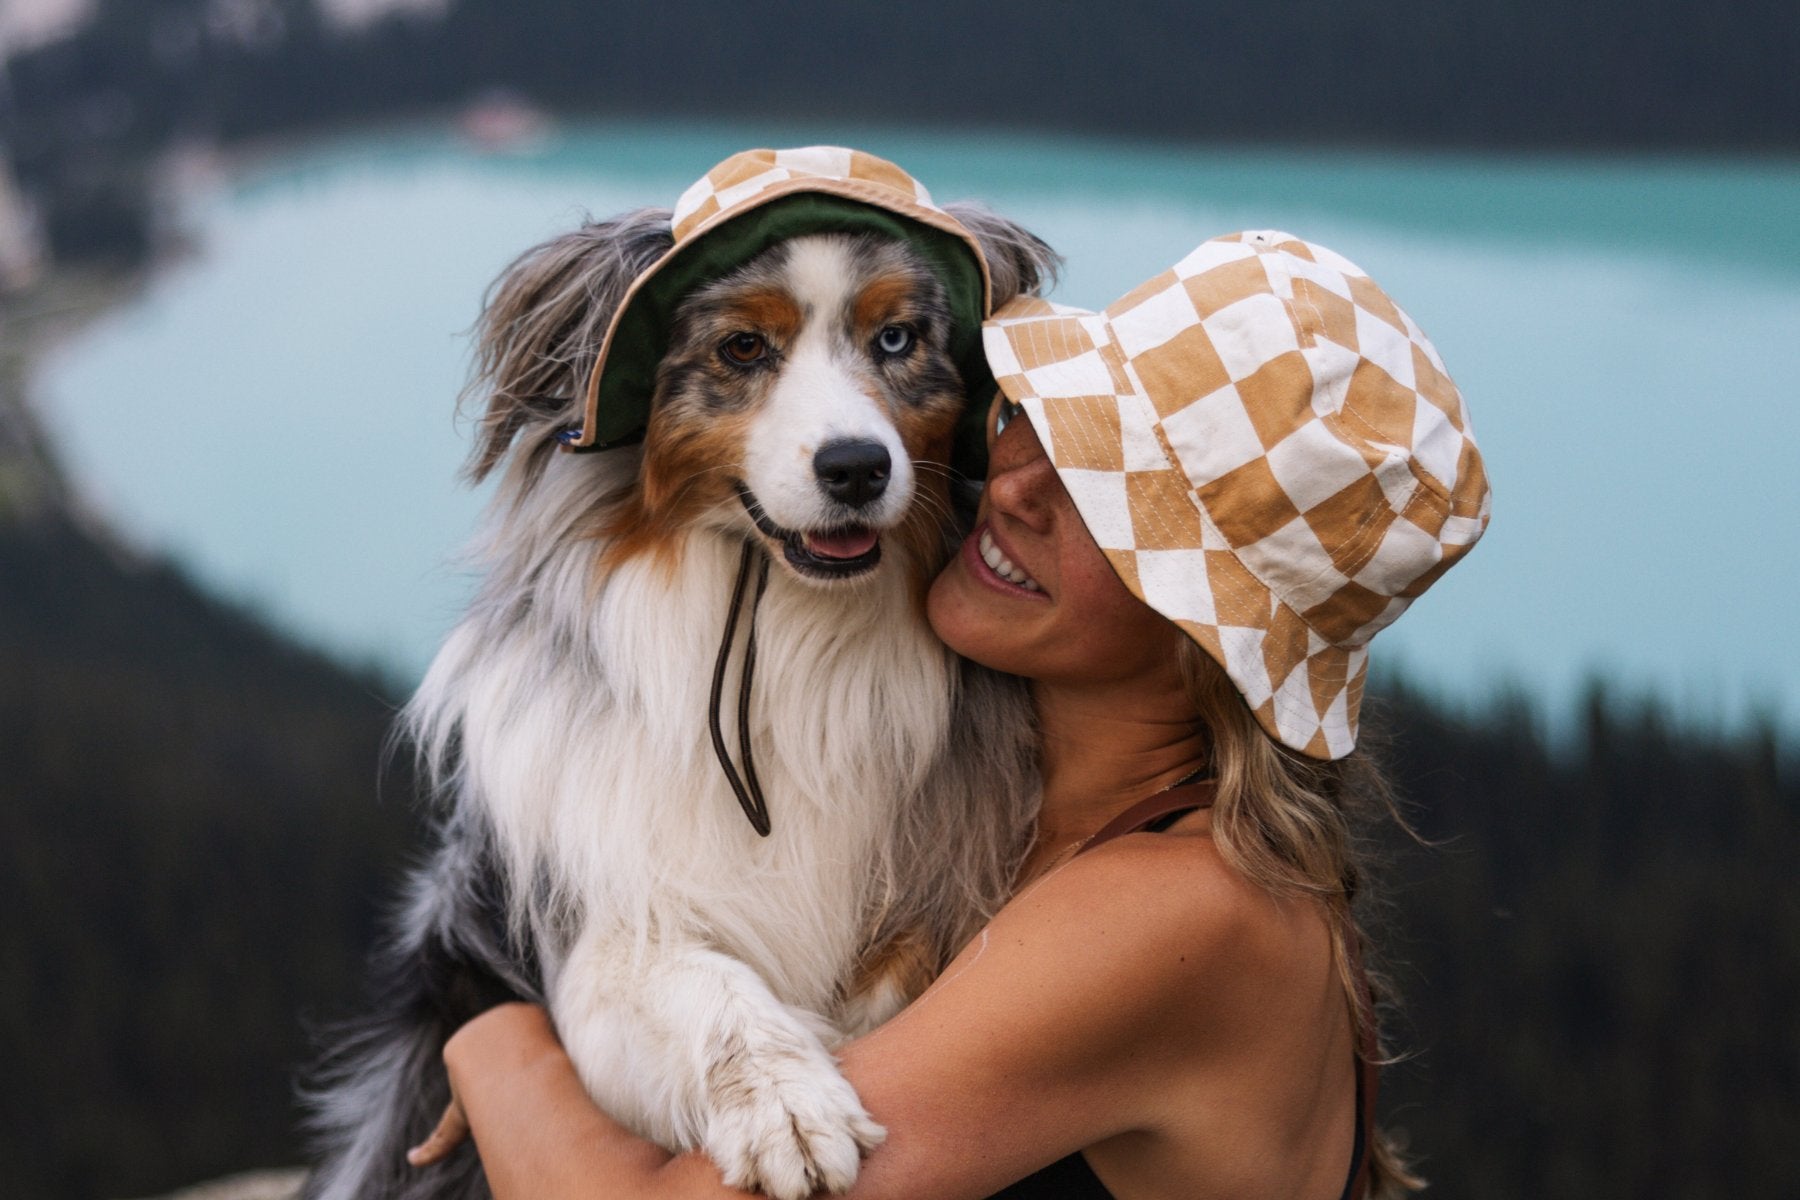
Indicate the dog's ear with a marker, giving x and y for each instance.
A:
(1019, 261)
(541, 325)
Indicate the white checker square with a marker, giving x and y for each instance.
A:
(1250, 333)
(1175, 584)
(1294, 711)
(1312, 464)
(1082, 375)
(1333, 366)
(1386, 347)
(1149, 324)
(1213, 435)
(739, 192)
(1462, 531)
(1208, 255)
(817, 160)
(1395, 476)
(1137, 436)
(1001, 359)
(1243, 648)
(1436, 444)
(1327, 277)
(1338, 739)
(1101, 499)
(1294, 565)
(1405, 553)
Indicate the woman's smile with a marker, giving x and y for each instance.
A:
(993, 562)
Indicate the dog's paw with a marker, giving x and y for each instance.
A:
(786, 1123)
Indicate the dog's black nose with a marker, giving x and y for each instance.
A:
(853, 472)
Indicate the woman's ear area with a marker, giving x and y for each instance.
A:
(1019, 261)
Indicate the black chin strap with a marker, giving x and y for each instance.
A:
(748, 789)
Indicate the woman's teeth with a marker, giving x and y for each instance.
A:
(998, 564)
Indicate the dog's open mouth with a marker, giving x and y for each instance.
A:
(839, 553)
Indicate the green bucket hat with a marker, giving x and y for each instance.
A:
(740, 208)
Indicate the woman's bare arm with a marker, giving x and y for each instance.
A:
(1068, 1021)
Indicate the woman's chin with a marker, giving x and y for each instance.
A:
(973, 621)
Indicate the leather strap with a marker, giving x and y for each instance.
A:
(1183, 797)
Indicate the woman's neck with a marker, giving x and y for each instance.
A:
(1105, 748)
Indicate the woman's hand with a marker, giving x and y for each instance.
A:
(501, 1040)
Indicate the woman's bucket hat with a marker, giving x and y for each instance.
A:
(1269, 452)
(740, 208)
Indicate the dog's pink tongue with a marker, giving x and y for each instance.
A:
(853, 543)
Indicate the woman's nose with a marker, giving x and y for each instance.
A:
(1022, 483)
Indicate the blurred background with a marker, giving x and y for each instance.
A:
(241, 242)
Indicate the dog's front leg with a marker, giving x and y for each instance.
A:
(689, 1047)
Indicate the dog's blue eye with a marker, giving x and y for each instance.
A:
(895, 339)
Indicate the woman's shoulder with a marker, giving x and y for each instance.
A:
(1150, 922)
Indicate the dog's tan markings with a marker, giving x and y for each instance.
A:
(890, 297)
(766, 310)
(689, 464)
(904, 964)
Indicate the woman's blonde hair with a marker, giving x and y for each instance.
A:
(1295, 825)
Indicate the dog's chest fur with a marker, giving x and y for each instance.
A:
(582, 721)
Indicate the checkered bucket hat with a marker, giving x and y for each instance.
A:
(740, 208)
(1269, 452)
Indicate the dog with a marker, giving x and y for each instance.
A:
(591, 852)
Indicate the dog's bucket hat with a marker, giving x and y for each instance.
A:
(740, 208)
(1269, 452)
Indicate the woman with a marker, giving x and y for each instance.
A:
(1223, 487)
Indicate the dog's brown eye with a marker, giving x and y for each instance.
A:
(895, 339)
(745, 348)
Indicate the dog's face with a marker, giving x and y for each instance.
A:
(806, 400)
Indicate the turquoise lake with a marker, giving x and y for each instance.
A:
(277, 409)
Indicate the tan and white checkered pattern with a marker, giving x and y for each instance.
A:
(752, 178)
(1271, 455)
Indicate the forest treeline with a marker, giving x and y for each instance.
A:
(1600, 956)
(83, 114)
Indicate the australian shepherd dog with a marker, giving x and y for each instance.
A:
(589, 849)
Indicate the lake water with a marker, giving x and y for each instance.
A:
(276, 411)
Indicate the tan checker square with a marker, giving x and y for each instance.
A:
(1248, 504)
(1180, 371)
(1316, 466)
(1226, 284)
(1334, 316)
(1085, 430)
(1162, 515)
(1275, 395)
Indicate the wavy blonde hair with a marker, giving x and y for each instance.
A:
(1297, 826)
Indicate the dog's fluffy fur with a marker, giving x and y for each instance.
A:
(590, 853)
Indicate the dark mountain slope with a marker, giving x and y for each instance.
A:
(191, 852)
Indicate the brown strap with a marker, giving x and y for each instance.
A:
(1183, 797)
